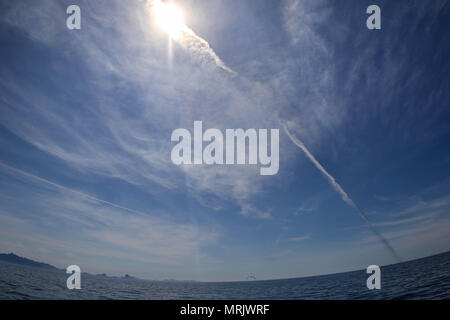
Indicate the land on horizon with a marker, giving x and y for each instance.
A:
(13, 258)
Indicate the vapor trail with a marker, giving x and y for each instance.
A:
(32, 176)
(198, 47)
(339, 190)
(202, 51)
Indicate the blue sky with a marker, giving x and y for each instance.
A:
(86, 118)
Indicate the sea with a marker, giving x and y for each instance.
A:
(427, 278)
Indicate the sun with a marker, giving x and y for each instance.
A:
(169, 18)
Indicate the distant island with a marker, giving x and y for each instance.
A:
(13, 258)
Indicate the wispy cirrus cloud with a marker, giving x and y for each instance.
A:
(106, 228)
(128, 138)
(302, 238)
(419, 224)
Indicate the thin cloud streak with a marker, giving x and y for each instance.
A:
(339, 190)
(296, 239)
(29, 175)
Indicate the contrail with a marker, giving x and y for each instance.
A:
(201, 48)
(198, 47)
(339, 189)
(32, 176)
(202, 51)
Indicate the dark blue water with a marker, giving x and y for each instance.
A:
(426, 278)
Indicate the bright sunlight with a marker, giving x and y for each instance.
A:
(169, 18)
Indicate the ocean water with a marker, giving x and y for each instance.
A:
(426, 278)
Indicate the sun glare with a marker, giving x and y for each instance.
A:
(169, 18)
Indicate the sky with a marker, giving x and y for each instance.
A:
(86, 118)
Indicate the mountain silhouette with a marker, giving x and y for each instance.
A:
(11, 257)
